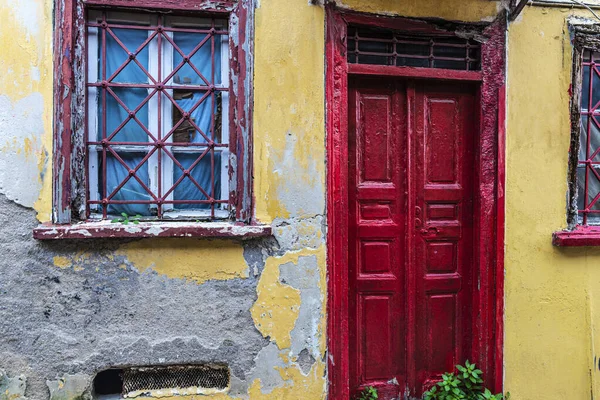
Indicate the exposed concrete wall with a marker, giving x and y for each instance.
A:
(69, 309)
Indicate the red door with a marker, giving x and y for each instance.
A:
(410, 245)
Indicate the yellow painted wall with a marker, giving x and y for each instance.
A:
(26, 103)
(470, 10)
(552, 295)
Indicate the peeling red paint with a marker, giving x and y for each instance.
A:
(578, 237)
(489, 219)
(69, 191)
(218, 6)
(93, 230)
(63, 76)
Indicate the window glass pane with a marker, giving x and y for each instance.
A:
(585, 88)
(201, 173)
(119, 43)
(196, 129)
(200, 63)
(595, 138)
(593, 189)
(583, 138)
(581, 188)
(132, 190)
(595, 88)
(120, 126)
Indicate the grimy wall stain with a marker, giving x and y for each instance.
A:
(69, 309)
(72, 308)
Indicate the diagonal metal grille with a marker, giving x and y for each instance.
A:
(588, 168)
(137, 380)
(161, 88)
(387, 47)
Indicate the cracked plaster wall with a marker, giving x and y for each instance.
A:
(71, 308)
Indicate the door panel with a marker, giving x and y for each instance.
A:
(409, 264)
(443, 261)
(377, 209)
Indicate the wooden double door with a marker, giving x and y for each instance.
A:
(411, 251)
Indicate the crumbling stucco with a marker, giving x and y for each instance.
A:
(70, 387)
(25, 101)
(72, 308)
(12, 388)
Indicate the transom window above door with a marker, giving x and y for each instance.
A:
(157, 140)
(376, 46)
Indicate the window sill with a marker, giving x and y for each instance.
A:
(578, 237)
(106, 229)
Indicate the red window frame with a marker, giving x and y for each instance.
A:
(579, 232)
(69, 151)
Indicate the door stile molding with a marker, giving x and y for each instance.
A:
(336, 84)
(489, 204)
(411, 334)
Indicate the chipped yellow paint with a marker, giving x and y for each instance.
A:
(26, 43)
(321, 254)
(469, 10)
(76, 261)
(218, 396)
(62, 262)
(296, 386)
(277, 307)
(289, 122)
(192, 259)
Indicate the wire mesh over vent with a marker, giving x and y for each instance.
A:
(180, 379)
(386, 47)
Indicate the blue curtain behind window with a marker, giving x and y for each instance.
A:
(133, 132)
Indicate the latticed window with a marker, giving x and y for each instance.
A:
(588, 166)
(374, 46)
(157, 115)
(152, 119)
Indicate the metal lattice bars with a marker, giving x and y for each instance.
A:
(161, 143)
(387, 47)
(589, 194)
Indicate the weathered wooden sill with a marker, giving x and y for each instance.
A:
(106, 229)
(580, 236)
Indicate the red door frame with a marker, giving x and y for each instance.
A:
(489, 207)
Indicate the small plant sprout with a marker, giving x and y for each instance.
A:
(464, 384)
(126, 219)
(369, 393)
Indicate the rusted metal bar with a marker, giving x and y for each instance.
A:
(156, 143)
(514, 13)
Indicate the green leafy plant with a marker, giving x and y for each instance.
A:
(464, 384)
(369, 393)
(126, 219)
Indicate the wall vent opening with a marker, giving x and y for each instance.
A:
(158, 381)
(387, 47)
(109, 382)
